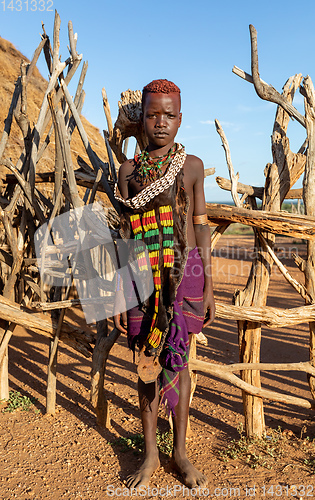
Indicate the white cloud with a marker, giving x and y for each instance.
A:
(207, 122)
(224, 124)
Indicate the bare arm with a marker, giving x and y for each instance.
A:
(123, 177)
(120, 319)
(203, 240)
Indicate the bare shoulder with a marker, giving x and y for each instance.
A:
(194, 168)
(124, 175)
(126, 168)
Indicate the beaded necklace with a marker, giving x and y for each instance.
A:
(150, 168)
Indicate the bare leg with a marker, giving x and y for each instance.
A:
(191, 476)
(149, 403)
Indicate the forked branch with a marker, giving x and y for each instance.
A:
(265, 91)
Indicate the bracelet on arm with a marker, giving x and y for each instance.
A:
(200, 219)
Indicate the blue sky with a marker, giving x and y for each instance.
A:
(195, 44)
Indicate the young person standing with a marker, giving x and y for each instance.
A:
(163, 205)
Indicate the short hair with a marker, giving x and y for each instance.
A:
(160, 86)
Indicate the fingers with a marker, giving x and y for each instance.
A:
(207, 323)
(209, 316)
(121, 323)
(124, 318)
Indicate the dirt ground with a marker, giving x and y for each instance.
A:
(68, 456)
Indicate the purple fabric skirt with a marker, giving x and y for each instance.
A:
(189, 298)
(188, 317)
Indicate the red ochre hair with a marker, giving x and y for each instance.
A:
(163, 86)
(160, 86)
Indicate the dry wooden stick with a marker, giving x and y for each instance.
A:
(125, 149)
(95, 185)
(241, 188)
(52, 363)
(264, 88)
(78, 98)
(209, 171)
(26, 188)
(269, 316)
(110, 159)
(104, 343)
(245, 76)
(45, 143)
(9, 118)
(234, 177)
(39, 127)
(44, 244)
(61, 132)
(293, 194)
(64, 304)
(79, 90)
(107, 114)
(20, 112)
(82, 179)
(5, 340)
(31, 282)
(94, 159)
(74, 60)
(293, 282)
(17, 253)
(15, 103)
(293, 225)
(301, 263)
(219, 371)
(309, 202)
(287, 166)
(58, 68)
(40, 323)
(265, 91)
(302, 366)
(56, 43)
(217, 233)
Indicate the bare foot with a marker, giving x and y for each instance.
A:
(143, 475)
(192, 477)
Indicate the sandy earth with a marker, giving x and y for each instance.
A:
(69, 456)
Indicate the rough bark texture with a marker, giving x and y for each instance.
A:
(280, 176)
(309, 203)
(275, 222)
(128, 123)
(104, 343)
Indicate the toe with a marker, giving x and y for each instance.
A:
(202, 481)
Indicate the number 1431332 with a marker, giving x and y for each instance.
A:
(27, 5)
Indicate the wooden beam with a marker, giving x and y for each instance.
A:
(293, 225)
(293, 194)
(224, 373)
(40, 323)
(272, 317)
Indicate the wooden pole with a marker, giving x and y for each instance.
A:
(51, 378)
(278, 182)
(309, 204)
(103, 345)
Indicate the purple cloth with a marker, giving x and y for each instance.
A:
(188, 317)
(189, 297)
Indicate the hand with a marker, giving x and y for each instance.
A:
(120, 318)
(209, 307)
(120, 322)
